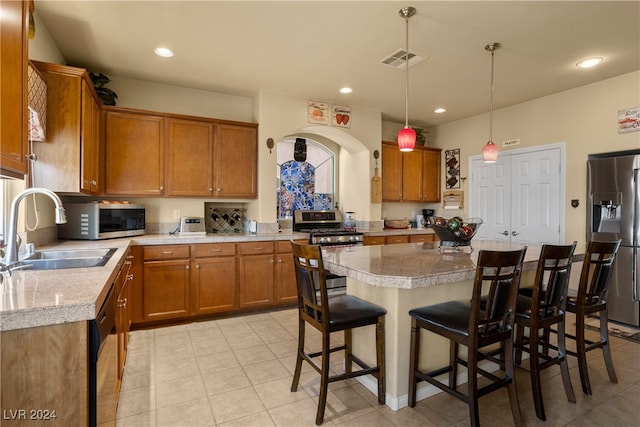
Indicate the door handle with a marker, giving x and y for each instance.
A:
(514, 234)
(504, 233)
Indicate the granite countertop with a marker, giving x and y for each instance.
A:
(398, 231)
(31, 298)
(414, 265)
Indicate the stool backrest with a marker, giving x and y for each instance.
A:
(497, 272)
(551, 283)
(596, 273)
(311, 282)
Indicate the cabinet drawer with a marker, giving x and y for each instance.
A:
(214, 249)
(397, 239)
(421, 238)
(166, 252)
(375, 240)
(255, 248)
(285, 245)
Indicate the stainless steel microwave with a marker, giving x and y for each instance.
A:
(96, 221)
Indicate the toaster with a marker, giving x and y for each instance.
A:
(191, 225)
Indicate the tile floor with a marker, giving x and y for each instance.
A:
(237, 372)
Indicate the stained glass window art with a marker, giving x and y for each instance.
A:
(304, 185)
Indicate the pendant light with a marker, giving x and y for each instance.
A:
(490, 150)
(406, 136)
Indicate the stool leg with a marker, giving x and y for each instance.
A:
(380, 357)
(472, 383)
(453, 372)
(534, 370)
(296, 374)
(564, 365)
(606, 350)
(324, 377)
(348, 351)
(513, 392)
(581, 353)
(413, 362)
(519, 330)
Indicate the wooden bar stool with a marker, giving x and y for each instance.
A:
(465, 323)
(327, 315)
(540, 307)
(591, 299)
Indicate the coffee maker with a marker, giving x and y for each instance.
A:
(427, 213)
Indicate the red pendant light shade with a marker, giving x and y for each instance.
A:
(406, 139)
(490, 152)
(406, 136)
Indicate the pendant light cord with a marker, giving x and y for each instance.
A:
(491, 99)
(406, 74)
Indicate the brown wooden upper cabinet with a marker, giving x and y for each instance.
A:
(193, 156)
(13, 88)
(411, 176)
(69, 160)
(134, 159)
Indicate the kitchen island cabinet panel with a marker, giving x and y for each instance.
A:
(134, 154)
(42, 369)
(13, 88)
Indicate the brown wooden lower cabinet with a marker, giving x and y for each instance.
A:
(213, 278)
(374, 240)
(257, 274)
(178, 282)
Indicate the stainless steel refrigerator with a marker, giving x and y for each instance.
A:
(613, 212)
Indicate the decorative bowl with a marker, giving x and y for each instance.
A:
(455, 231)
(396, 223)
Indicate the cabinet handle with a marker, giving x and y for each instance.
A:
(216, 250)
(219, 188)
(187, 267)
(271, 261)
(161, 188)
(122, 303)
(171, 252)
(280, 260)
(129, 257)
(210, 189)
(130, 276)
(197, 266)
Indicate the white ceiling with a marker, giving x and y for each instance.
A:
(309, 49)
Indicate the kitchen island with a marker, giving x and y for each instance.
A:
(402, 277)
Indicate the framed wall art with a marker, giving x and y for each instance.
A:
(452, 166)
(340, 116)
(318, 112)
(629, 120)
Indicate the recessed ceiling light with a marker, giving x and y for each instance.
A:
(164, 52)
(589, 62)
(439, 110)
(346, 90)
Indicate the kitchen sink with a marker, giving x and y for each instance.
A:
(61, 259)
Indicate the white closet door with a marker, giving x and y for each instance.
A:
(535, 196)
(491, 193)
(519, 196)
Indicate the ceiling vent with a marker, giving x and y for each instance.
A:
(396, 59)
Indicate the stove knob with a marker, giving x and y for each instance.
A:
(324, 239)
(340, 238)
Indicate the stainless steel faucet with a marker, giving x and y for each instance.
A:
(12, 235)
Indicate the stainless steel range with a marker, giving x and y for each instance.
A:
(325, 229)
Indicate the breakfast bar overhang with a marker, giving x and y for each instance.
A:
(404, 276)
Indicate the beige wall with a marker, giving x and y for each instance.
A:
(584, 118)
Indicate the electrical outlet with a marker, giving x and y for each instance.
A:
(176, 214)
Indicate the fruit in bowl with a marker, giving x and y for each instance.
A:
(455, 231)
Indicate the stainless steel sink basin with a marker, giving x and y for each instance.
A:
(72, 253)
(60, 259)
